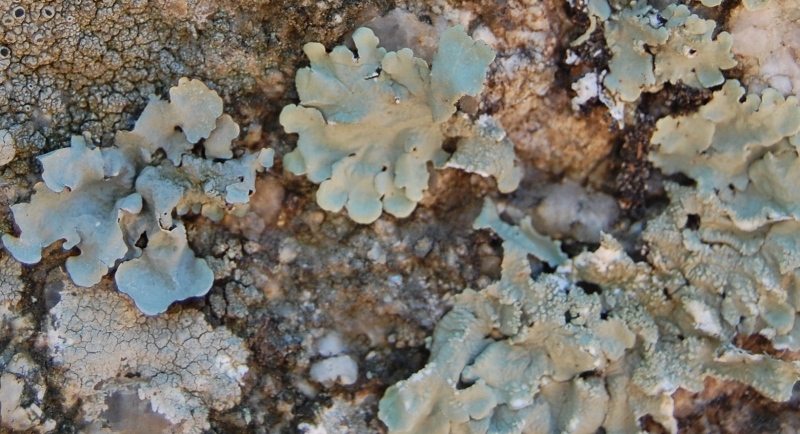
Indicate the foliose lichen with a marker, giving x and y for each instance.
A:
(652, 47)
(106, 201)
(484, 148)
(743, 147)
(545, 355)
(370, 122)
(647, 54)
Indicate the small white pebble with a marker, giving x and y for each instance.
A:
(341, 368)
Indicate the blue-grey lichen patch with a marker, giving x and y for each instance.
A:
(78, 204)
(104, 201)
(486, 150)
(176, 125)
(523, 236)
(651, 47)
(507, 345)
(508, 359)
(693, 54)
(717, 144)
(459, 69)
(168, 266)
(742, 146)
(630, 35)
(369, 124)
(647, 54)
(201, 186)
(771, 194)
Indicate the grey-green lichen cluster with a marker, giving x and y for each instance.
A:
(742, 146)
(743, 153)
(546, 355)
(647, 55)
(370, 123)
(107, 201)
(651, 47)
(605, 341)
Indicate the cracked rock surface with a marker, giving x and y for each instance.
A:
(177, 362)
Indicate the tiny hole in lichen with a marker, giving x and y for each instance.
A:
(682, 180)
(142, 241)
(199, 148)
(450, 145)
(463, 385)
(5, 53)
(175, 218)
(547, 268)
(178, 129)
(375, 74)
(19, 12)
(496, 334)
(158, 156)
(589, 288)
(48, 12)
(692, 222)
